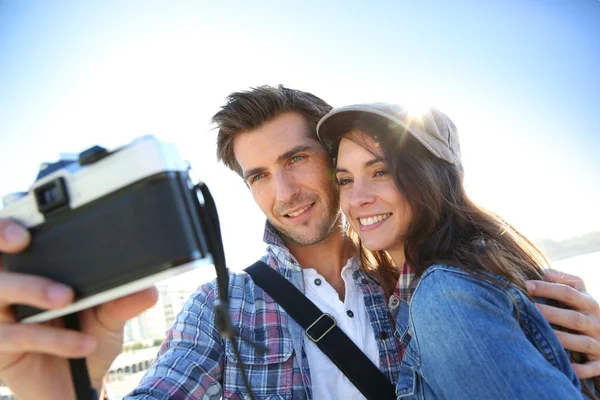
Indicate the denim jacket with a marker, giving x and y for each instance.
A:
(469, 338)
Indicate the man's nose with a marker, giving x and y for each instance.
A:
(285, 187)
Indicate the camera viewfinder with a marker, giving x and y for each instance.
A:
(51, 196)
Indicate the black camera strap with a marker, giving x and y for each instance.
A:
(322, 329)
(79, 370)
(210, 221)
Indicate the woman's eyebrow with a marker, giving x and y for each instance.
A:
(374, 161)
(366, 165)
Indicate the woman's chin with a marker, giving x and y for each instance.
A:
(375, 245)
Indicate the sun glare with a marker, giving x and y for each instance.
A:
(417, 106)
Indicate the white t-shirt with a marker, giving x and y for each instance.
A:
(328, 382)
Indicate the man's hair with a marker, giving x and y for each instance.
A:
(248, 110)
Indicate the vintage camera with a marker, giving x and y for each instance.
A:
(110, 223)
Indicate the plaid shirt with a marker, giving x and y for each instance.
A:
(195, 363)
(403, 290)
(398, 305)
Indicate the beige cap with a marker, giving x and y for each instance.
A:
(431, 127)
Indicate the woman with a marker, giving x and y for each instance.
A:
(471, 330)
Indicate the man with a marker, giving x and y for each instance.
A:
(267, 135)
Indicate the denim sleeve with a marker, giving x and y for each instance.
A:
(189, 364)
(470, 344)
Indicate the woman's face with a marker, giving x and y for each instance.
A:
(369, 197)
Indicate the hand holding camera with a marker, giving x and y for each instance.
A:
(101, 230)
(33, 357)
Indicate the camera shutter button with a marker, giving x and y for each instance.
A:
(92, 155)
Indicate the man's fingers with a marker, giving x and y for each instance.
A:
(556, 276)
(569, 319)
(573, 298)
(587, 370)
(30, 338)
(113, 315)
(33, 290)
(579, 343)
(13, 237)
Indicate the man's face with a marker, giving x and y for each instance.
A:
(290, 177)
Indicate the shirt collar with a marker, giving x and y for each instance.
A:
(404, 290)
(282, 253)
(271, 236)
(278, 249)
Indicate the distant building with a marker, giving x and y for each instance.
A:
(144, 330)
(173, 301)
(154, 322)
(147, 326)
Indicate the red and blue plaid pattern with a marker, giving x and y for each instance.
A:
(403, 289)
(195, 363)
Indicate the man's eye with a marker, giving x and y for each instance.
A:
(256, 178)
(296, 159)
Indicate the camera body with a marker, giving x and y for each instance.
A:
(109, 223)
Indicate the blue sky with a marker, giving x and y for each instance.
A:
(520, 78)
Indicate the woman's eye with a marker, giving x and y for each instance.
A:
(344, 181)
(381, 172)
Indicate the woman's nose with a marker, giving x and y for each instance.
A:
(361, 194)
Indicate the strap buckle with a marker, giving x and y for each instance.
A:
(324, 328)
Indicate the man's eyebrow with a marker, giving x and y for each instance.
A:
(288, 154)
(367, 164)
(253, 171)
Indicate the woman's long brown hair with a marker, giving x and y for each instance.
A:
(447, 226)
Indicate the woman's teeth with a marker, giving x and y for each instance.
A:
(372, 220)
